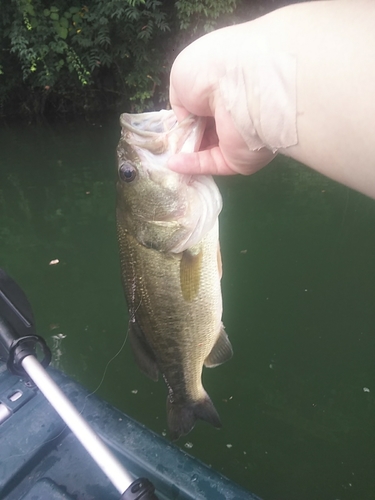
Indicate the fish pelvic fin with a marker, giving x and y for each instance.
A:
(222, 350)
(142, 351)
(182, 417)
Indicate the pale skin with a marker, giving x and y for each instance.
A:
(333, 43)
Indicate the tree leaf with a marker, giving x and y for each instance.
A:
(64, 22)
(63, 32)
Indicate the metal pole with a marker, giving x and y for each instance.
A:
(84, 433)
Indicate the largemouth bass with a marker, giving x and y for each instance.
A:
(167, 227)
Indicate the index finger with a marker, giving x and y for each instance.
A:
(179, 109)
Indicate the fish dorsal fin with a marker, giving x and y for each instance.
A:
(142, 351)
(221, 351)
(190, 272)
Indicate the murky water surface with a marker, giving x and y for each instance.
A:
(297, 400)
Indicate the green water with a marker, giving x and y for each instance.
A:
(297, 400)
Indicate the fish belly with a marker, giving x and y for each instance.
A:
(175, 309)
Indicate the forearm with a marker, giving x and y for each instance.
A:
(299, 81)
(333, 44)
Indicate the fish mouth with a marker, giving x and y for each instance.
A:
(160, 132)
(149, 124)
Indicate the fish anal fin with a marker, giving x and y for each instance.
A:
(222, 351)
(182, 417)
(143, 354)
(190, 273)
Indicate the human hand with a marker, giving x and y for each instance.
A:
(271, 85)
(197, 79)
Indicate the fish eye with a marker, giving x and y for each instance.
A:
(127, 172)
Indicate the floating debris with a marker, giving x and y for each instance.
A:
(243, 251)
(59, 336)
(54, 262)
(229, 445)
(366, 389)
(188, 445)
(226, 400)
(135, 391)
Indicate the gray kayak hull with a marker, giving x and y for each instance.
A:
(41, 459)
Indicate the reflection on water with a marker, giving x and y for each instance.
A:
(297, 400)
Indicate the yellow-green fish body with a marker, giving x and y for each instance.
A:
(170, 260)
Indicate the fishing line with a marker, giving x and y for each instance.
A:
(106, 368)
(104, 373)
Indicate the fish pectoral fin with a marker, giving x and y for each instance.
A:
(190, 273)
(143, 353)
(221, 351)
(182, 416)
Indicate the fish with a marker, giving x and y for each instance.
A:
(168, 235)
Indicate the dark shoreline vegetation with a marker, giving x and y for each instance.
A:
(67, 59)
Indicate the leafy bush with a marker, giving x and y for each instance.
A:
(69, 53)
(63, 56)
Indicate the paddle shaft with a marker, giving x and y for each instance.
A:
(80, 428)
(18, 342)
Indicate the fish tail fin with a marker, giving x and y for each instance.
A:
(182, 417)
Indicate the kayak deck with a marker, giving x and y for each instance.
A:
(41, 459)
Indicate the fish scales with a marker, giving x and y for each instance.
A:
(172, 289)
(159, 312)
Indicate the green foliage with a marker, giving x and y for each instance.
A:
(60, 50)
(63, 56)
(201, 16)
